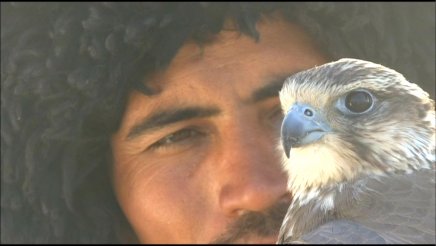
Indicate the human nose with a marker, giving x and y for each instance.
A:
(251, 177)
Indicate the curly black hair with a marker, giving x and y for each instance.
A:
(67, 68)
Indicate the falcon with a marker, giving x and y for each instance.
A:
(359, 150)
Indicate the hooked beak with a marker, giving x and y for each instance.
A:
(301, 126)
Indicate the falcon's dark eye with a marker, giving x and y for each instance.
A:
(358, 101)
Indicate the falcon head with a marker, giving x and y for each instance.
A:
(352, 118)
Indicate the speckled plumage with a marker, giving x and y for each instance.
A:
(372, 178)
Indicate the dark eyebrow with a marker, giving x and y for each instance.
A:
(269, 90)
(163, 118)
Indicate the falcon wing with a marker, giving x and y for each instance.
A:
(343, 232)
(399, 209)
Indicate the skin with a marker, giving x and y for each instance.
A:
(191, 180)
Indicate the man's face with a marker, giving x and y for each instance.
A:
(198, 162)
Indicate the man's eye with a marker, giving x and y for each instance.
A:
(275, 118)
(184, 136)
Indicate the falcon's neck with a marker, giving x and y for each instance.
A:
(319, 176)
(311, 208)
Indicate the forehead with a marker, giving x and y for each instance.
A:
(233, 65)
(276, 35)
(281, 44)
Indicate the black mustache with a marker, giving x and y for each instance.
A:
(262, 224)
